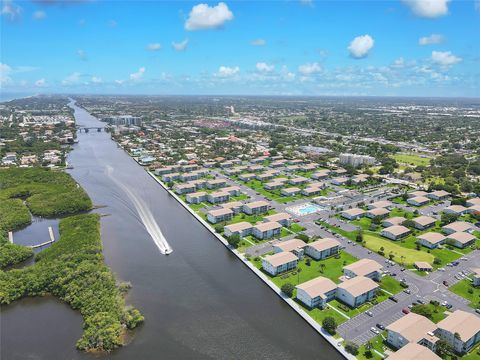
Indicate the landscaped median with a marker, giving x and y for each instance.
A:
(300, 310)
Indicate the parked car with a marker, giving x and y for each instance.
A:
(420, 301)
(369, 313)
(406, 310)
(407, 291)
(402, 269)
(477, 311)
(445, 282)
(449, 306)
(375, 331)
(393, 298)
(410, 306)
(380, 326)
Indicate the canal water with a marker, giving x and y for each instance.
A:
(200, 302)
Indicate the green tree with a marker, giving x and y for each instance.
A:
(234, 240)
(351, 348)
(287, 289)
(330, 325)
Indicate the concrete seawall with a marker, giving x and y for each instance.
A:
(334, 342)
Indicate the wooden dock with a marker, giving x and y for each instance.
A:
(52, 239)
(10, 237)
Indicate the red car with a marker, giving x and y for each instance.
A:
(406, 310)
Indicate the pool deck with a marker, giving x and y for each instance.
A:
(297, 209)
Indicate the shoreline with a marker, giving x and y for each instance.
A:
(316, 326)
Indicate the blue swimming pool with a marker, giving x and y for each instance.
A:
(309, 209)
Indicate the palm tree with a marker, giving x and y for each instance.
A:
(299, 270)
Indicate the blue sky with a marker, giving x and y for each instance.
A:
(398, 47)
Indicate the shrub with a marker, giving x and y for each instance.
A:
(287, 289)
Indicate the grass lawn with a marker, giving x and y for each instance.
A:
(318, 314)
(411, 159)
(376, 343)
(463, 287)
(390, 284)
(296, 228)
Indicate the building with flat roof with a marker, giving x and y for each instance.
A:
(422, 266)
(316, 292)
(279, 263)
(322, 248)
(357, 291)
(364, 267)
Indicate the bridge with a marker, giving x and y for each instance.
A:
(87, 129)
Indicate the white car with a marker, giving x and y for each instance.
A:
(369, 313)
(375, 331)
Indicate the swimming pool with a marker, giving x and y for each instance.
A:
(304, 209)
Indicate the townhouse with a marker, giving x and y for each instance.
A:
(317, 292)
(218, 197)
(460, 329)
(283, 219)
(279, 263)
(411, 328)
(364, 267)
(267, 230)
(322, 248)
(423, 222)
(395, 232)
(241, 229)
(255, 207)
(219, 215)
(196, 198)
(431, 240)
(357, 291)
(295, 246)
(353, 214)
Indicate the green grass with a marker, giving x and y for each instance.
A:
(411, 159)
(377, 343)
(296, 228)
(462, 289)
(391, 285)
(318, 314)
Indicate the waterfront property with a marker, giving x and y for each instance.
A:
(357, 291)
(323, 248)
(364, 267)
(316, 292)
(266, 230)
(279, 263)
(219, 215)
(241, 229)
(411, 328)
(196, 198)
(414, 351)
(296, 246)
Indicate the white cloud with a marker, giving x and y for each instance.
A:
(432, 39)
(226, 71)
(264, 67)
(428, 8)
(137, 75)
(82, 55)
(154, 47)
(203, 16)
(307, 69)
(119, 82)
(5, 72)
(41, 83)
(360, 46)
(259, 42)
(10, 10)
(476, 5)
(71, 79)
(180, 46)
(445, 58)
(96, 80)
(39, 15)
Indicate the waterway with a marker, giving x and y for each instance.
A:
(200, 302)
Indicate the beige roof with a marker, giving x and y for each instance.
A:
(197, 194)
(413, 351)
(456, 208)
(397, 220)
(271, 225)
(353, 212)
(230, 188)
(422, 265)
(289, 245)
(412, 327)
(397, 230)
(459, 226)
(324, 244)
(220, 212)
(238, 226)
(461, 237)
(256, 204)
(219, 193)
(311, 190)
(358, 285)
(378, 211)
(316, 184)
(231, 204)
(216, 181)
(461, 322)
(420, 199)
(317, 287)
(417, 193)
(280, 258)
(363, 267)
(381, 204)
(298, 179)
(278, 217)
(424, 220)
(432, 237)
(474, 201)
(291, 190)
(440, 193)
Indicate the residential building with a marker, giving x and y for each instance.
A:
(455, 209)
(418, 200)
(377, 212)
(423, 222)
(235, 206)
(476, 277)
(364, 267)
(473, 202)
(283, 219)
(184, 188)
(218, 197)
(422, 266)
(458, 226)
(353, 214)
(431, 240)
(246, 177)
(414, 351)
(395, 232)
(321, 174)
(242, 229)
(461, 239)
(460, 329)
(380, 204)
(397, 220)
(255, 207)
(291, 191)
(272, 185)
(170, 177)
(439, 195)
(317, 292)
(232, 190)
(339, 181)
(417, 193)
(410, 329)
(296, 246)
(322, 248)
(357, 291)
(356, 160)
(299, 180)
(266, 230)
(216, 183)
(219, 215)
(311, 191)
(279, 263)
(196, 198)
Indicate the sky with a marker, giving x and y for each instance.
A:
(285, 47)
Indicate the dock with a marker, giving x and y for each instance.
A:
(52, 239)
(10, 237)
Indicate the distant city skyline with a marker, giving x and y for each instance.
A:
(307, 47)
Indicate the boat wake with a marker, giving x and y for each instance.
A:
(145, 215)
